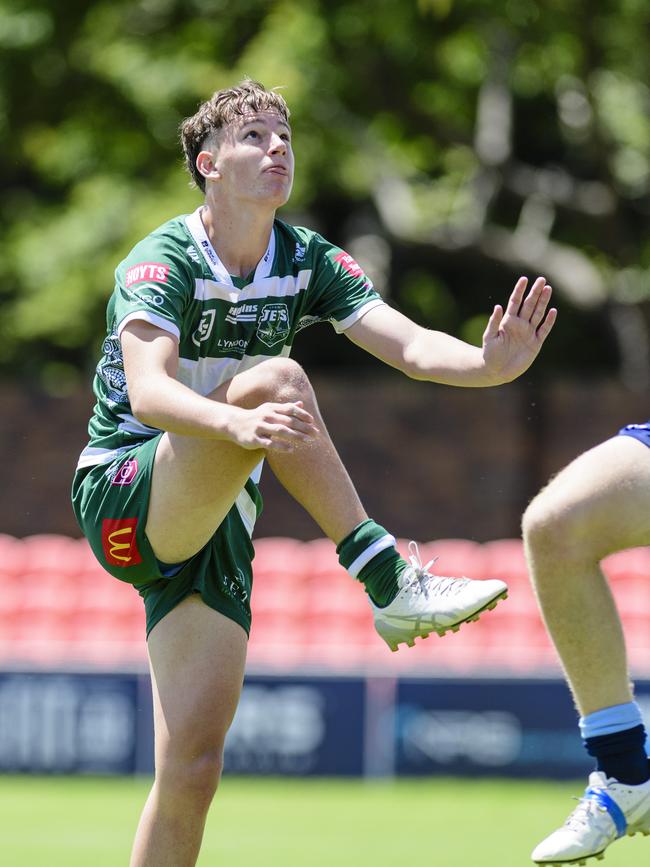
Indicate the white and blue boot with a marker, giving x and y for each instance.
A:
(607, 810)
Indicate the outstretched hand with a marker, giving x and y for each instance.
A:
(512, 339)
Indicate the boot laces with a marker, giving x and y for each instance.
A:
(586, 809)
(423, 581)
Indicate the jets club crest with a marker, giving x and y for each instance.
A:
(273, 326)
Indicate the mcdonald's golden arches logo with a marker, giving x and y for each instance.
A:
(119, 541)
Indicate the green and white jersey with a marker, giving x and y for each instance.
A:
(175, 280)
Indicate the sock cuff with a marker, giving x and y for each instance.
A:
(360, 546)
(610, 720)
(371, 551)
(617, 744)
(366, 530)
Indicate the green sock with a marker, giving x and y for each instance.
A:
(369, 555)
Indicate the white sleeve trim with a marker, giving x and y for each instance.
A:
(346, 323)
(153, 319)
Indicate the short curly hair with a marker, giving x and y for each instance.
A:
(221, 109)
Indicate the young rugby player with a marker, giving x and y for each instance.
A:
(597, 505)
(196, 388)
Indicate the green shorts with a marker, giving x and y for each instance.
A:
(111, 502)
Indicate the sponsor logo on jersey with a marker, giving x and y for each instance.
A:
(242, 313)
(208, 249)
(301, 251)
(349, 264)
(193, 254)
(119, 542)
(204, 329)
(274, 324)
(149, 272)
(232, 346)
(126, 473)
(140, 295)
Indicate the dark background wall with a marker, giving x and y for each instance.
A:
(429, 461)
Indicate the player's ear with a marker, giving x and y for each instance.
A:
(205, 164)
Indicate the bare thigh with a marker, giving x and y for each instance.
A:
(601, 501)
(196, 481)
(197, 659)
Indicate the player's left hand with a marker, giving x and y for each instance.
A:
(512, 339)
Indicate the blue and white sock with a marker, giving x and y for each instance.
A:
(615, 737)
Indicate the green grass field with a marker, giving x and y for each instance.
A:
(76, 822)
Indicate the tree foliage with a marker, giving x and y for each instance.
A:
(451, 144)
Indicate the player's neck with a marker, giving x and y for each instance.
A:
(240, 238)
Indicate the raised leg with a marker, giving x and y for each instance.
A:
(196, 480)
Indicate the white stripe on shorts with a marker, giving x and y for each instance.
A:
(247, 510)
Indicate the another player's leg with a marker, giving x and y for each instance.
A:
(598, 505)
(407, 600)
(197, 665)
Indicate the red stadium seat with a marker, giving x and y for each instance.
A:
(103, 592)
(515, 633)
(279, 557)
(633, 561)
(59, 606)
(629, 577)
(504, 559)
(107, 637)
(13, 558)
(11, 598)
(276, 641)
(454, 557)
(39, 634)
(321, 560)
(52, 553)
(47, 588)
(271, 595)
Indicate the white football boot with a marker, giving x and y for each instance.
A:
(429, 603)
(607, 810)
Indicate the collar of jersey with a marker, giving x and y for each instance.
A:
(196, 229)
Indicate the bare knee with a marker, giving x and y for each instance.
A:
(558, 529)
(185, 778)
(279, 380)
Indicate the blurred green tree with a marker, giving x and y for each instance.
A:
(449, 144)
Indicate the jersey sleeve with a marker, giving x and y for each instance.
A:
(154, 284)
(342, 292)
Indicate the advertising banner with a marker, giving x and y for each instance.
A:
(501, 727)
(84, 723)
(101, 723)
(298, 726)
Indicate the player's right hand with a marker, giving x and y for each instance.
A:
(275, 427)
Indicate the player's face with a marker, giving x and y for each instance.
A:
(255, 160)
